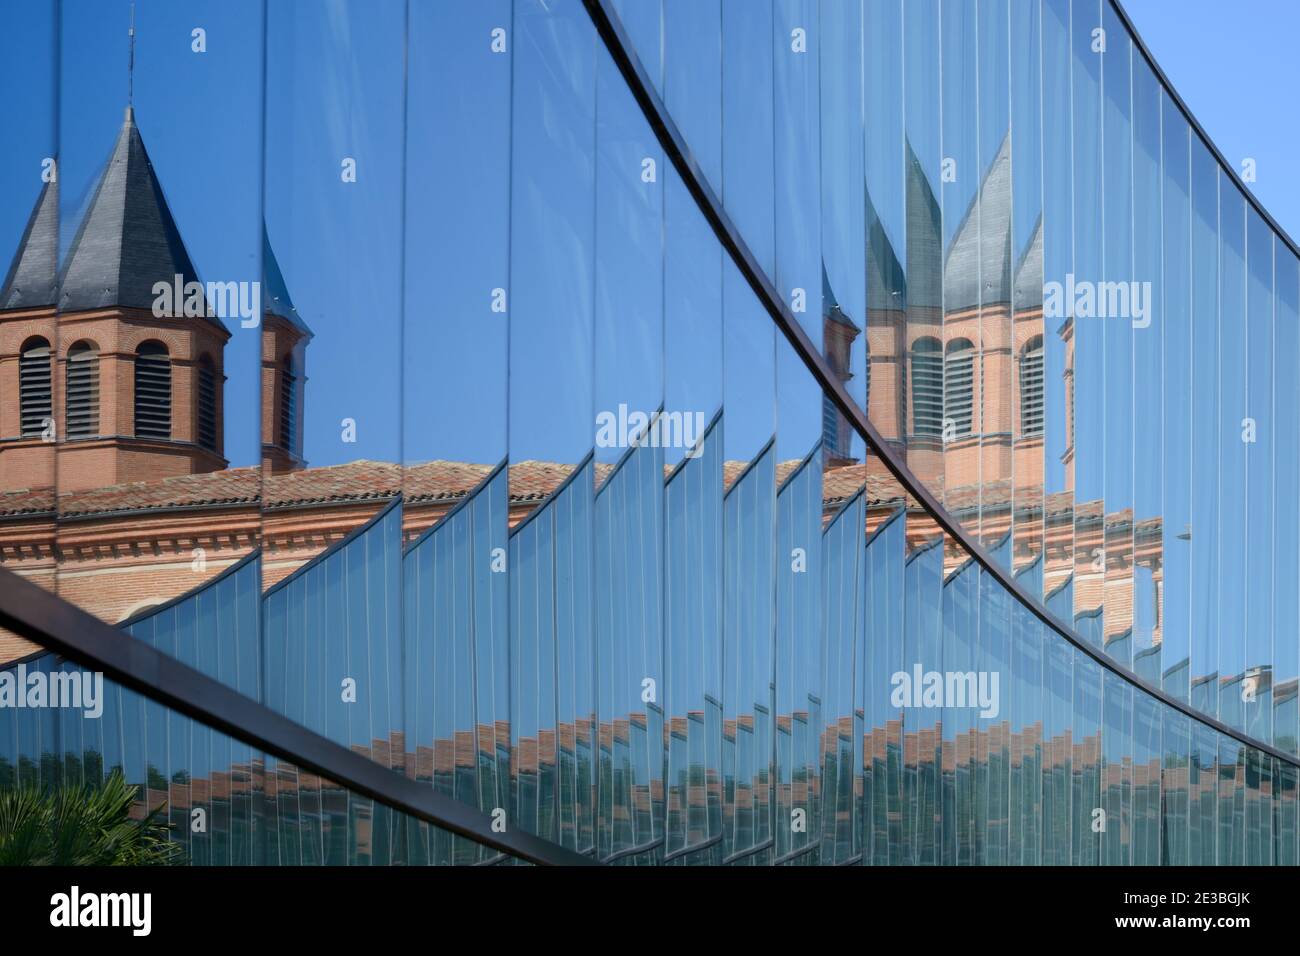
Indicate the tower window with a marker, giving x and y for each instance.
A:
(153, 391)
(959, 386)
(288, 411)
(83, 391)
(1031, 388)
(34, 392)
(927, 388)
(207, 396)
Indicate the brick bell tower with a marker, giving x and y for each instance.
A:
(123, 390)
(284, 369)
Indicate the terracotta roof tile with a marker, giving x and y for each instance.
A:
(366, 480)
(235, 486)
(27, 501)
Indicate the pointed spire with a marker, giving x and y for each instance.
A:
(275, 292)
(130, 66)
(830, 305)
(31, 282)
(128, 240)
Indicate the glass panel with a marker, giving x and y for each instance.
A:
(629, 507)
(963, 175)
(1028, 329)
(1148, 333)
(29, 234)
(552, 269)
(844, 568)
(1204, 531)
(1148, 807)
(994, 216)
(333, 184)
(1233, 397)
(1088, 47)
(1087, 811)
(455, 591)
(1118, 328)
(1286, 515)
(883, 747)
(1058, 765)
(1180, 343)
(843, 224)
(1058, 341)
(886, 290)
(921, 383)
(1116, 818)
(1180, 788)
(1256, 430)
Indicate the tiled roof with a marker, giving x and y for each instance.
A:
(235, 486)
(534, 480)
(365, 480)
(840, 484)
(127, 240)
(359, 480)
(27, 501)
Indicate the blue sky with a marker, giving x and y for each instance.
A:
(334, 90)
(200, 116)
(1237, 69)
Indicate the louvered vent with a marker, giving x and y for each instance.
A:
(959, 388)
(83, 391)
(927, 389)
(1031, 389)
(288, 410)
(153, 392)
(34, 388)
(207, 404)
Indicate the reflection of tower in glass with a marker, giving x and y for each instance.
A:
(838, 335)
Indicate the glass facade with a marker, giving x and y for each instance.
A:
(684, 606)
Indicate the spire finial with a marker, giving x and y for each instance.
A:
(130, 65)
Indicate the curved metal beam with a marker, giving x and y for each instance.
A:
(64, 628)
(611, 30)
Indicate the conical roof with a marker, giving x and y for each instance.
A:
(127, 241)
(32, 280)
(275, 292)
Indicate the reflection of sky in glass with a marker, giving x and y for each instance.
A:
(334, 91)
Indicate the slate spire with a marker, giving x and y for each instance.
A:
(31, 282)
(127, 240)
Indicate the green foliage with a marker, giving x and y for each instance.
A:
(82, 826)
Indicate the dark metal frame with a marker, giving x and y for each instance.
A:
(618, 43)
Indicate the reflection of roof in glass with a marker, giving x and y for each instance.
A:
(977, 269)
(127, 241)
(31, 281)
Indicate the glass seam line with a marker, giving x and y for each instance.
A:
(617, 43)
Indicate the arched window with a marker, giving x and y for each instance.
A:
(34, 390)
(153, 391)
(959, 386)
(288, 411)
(82, 387)
(927, 388)
(207, 396)
(1031, 388)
